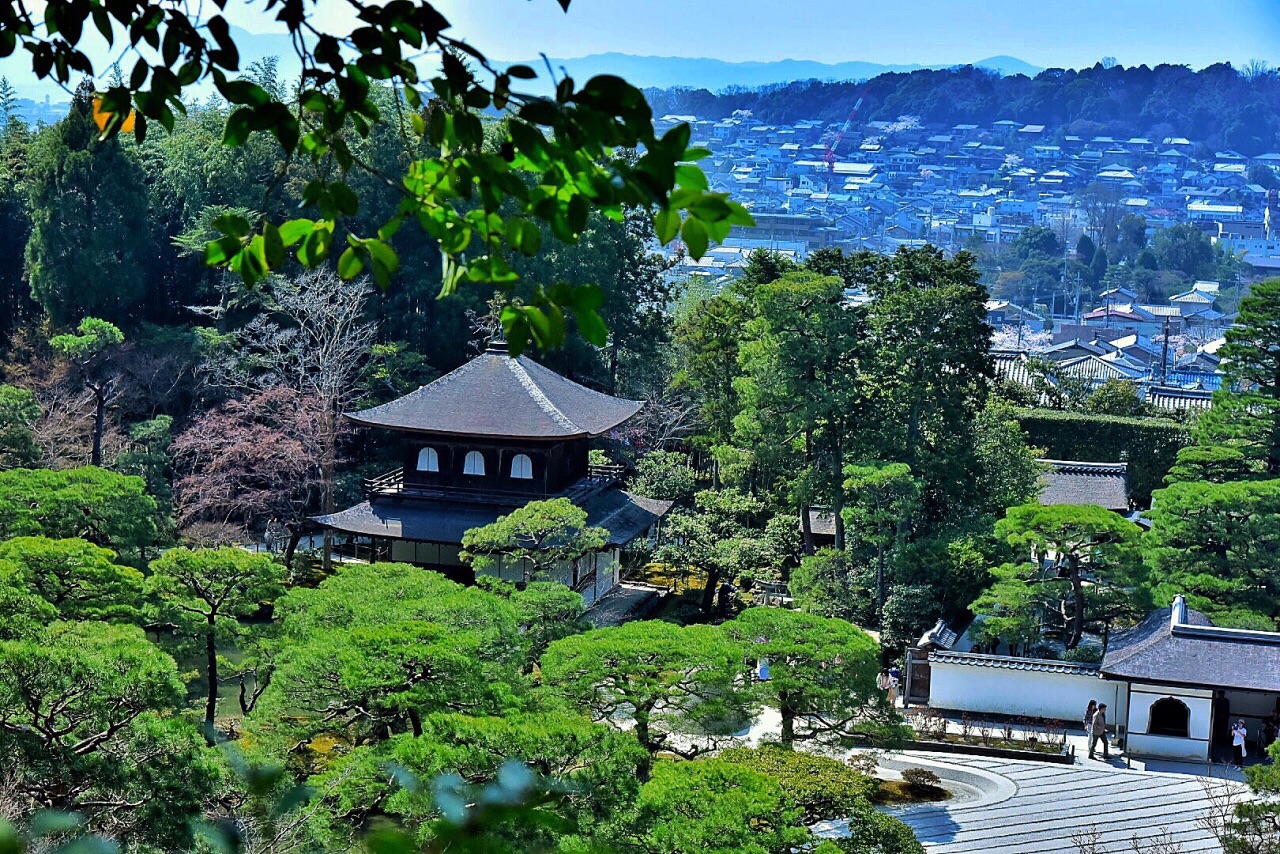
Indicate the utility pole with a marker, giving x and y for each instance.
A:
(1164, 355)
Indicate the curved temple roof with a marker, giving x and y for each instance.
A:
(497, 396)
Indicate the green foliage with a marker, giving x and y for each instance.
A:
(665, 475)
(909, 610)
(88, 220)
(1116, 397)
(1149, 445)
(19, 412)
(204, 591)
(1208, 464)
(715, 807)
(547, 611)
(1009, 472)
(541, 538)
(822, 673)
(376, 648)
(80, 580)
(667, 679)
(715, 540)
(1216, 544)
(93, 337)
(105, 508)
(825, 584)
(593, 766)
(823, 787)
(1252, 358)
(1078, 543)
(873, 832)
(84, 719)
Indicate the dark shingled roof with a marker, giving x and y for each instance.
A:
(1103, 484)
(1006, 662)
(1181, 645)
(624, 515)
(497, 396)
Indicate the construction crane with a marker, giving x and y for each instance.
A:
(830, 155)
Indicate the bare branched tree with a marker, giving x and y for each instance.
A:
(1088, 840)
(312, 337)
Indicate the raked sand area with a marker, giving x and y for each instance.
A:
(1031, 807)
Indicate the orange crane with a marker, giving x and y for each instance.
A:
(830, 155)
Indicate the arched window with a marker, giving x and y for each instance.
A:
(428, 460)
(1170, 716)
(522, 467)
(474, 463)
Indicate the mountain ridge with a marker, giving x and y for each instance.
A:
(666, 72)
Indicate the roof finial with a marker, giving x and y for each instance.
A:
(1178, 613)
(497, 345)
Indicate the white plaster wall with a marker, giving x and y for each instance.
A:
(1004, 691)
(1141, 744)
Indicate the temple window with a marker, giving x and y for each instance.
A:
(1170, 717)
(428, 460)
(521, 467)
(473, 464)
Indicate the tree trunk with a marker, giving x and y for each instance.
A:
(788, 722)
(211, 662)
(806, 529)
(295, 537)
(1077, 608)
(99, 423)
(880, 585)
(644, 767)
(327, 466)
(709, 591)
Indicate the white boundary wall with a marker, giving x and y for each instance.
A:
(993, 684)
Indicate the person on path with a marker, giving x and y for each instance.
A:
(1098, 732)
(882, 681)
(895, 679)
(1238, 735)
(1088, 716)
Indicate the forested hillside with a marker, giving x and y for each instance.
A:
(1219, 106)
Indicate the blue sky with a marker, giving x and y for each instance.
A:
(1059, 33)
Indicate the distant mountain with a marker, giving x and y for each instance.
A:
(665, 72)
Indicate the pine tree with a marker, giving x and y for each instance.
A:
(89, 220)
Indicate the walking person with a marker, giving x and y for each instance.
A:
(1098, 732)
(895, 679)
(1238, 735)
(1088, 717)
(882, 681)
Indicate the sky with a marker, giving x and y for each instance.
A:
(1066, 33)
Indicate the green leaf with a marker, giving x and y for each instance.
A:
(232, 224)
(237, 129)
(591, 327)
(695, 237)
(667, 224)
(350, 264)
(344, 199)
(691, 177)
(294, 230)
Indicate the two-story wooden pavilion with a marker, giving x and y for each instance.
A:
(481, 441)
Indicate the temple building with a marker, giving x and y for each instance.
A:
(480, 442)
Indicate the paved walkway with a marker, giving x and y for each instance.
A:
(1053, 803)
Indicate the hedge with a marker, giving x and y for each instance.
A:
(1149, 445)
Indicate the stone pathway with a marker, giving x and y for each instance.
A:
(627, 601)
(1053, 802)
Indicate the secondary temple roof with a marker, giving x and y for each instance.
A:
(1178, 644)
(496, 396)
(623, 515)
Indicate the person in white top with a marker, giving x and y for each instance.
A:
(1238, 734)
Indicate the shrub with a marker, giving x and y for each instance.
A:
(922, 781)
(821, 786)
(1090, 654)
